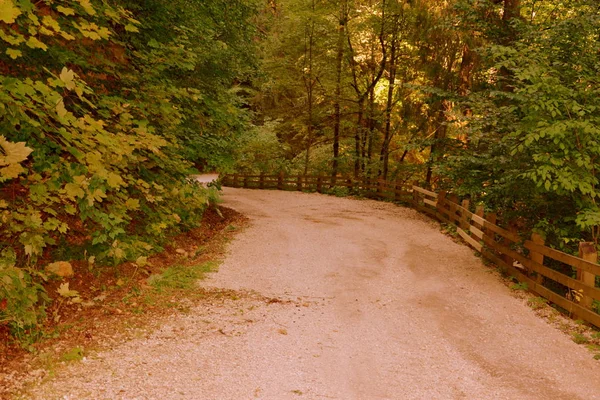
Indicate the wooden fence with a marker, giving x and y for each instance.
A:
(563, 279)
(374, 188)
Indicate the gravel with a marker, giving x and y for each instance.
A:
(342, 299)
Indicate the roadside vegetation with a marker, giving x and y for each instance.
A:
(106, 108)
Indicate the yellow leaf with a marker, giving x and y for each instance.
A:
(45, 31)
(114, 180)
(60, 268)
(50, 22)
(67, 76)
(67, 36)
(141, 261)
(131, 28)
(132, 204)
(13, 53)
(11, 172)
(13, 152)
(15, 40)
(60, 109)
(34, 43)
(33, 18)
(64, 291)
(87, 6)
(65, 10)
(8, 11)
(74, 191)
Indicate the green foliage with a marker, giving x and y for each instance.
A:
(180, 277)
(520, 286)
(537, 303)
(262, 151)
(580, 338)
(338, 191)
(533, 145)
(103, 110)
(75, 354)
(22, 300)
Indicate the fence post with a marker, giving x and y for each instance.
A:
(246, 182)
(397, 190)
(507, 242)
(492, 218)
(415, 198)
(235, 180)
(452, 201)
(261, 180)
(319, 184)
(299, 183)
(380, 188)
(479, 211)
(465, 222)
(280, 181)
(537, 257)
(440, 204)
(587, 251)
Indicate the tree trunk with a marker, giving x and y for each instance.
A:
(309, 83)
(387, 134)
(358, 136)
(338, 88)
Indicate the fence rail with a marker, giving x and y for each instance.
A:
(565, 280)
(379, 189)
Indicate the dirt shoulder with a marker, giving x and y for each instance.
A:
(117, 304)
(342, 299)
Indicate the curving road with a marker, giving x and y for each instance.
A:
(368, 301)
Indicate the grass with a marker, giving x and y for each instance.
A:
(579, 338)
(124, 303)
(537, 303)
(180, 277)
(520, 286)
(75, 354)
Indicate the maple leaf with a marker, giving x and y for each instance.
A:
(14, 53)
(8, 11)
(65, 10)
(13, 152)
(67, 76)
(64, 291)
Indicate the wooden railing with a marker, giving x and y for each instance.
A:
(373, 188)
(563, 279)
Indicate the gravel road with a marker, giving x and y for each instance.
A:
(342, 299)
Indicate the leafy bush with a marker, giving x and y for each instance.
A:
(97, 134)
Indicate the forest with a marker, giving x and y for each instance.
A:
(108, 107)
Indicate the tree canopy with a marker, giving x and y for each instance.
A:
(490, 99)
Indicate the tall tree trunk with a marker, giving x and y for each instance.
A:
(361, 132)
(387, 134)
(358, 135)
(367, 158)
(512, 9)
(338, 88)
(309, 83)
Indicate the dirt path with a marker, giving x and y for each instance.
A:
(364, 300)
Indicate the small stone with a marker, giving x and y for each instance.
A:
(61, 268)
